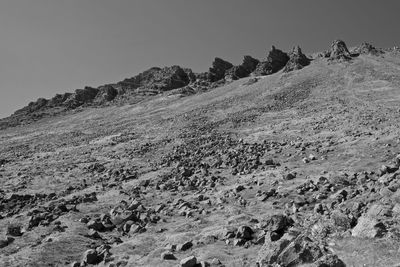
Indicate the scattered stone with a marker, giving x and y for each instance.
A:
(184, 246)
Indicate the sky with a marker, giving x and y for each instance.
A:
(56, 46)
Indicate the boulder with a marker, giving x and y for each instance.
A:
(297, 60)
(244, 232)
(277, 223)
(189, 262)
(91, 257)
(340, 220)
(368, 227)
(301, 250)
(166, 255)
(5, 241)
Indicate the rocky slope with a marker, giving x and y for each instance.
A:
(294, 168)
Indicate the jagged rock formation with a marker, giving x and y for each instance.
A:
(275, 61)
(297, 60)
(248, 65)
(152, 81)
(339, 51)
(218, 69)
(367, 48)
(158, 79)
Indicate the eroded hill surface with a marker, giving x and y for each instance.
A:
(293, 168)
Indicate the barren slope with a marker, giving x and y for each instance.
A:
(184, 160)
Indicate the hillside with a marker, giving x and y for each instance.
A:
(291, 161)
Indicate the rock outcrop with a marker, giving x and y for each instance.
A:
(339, 51)
(248, 65)
(275, 61)
(218, 69)
(160, 79)
(367, 48)
(297, 60)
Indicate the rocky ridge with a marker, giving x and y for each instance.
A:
(157, 80)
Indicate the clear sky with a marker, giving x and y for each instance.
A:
(56, 46)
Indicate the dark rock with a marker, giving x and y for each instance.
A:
(297, 60)
(244, 232)
(275, 61)
(289, 176)
(235, 73)
(93, 234)
(185, 246)
(91, 257)
(277, 223)
(218, 69)
(166, 255)
(5, 241)
(189, 262)
(81, 96)
(238, 242)
(330, 260)
(14, 230)
(95, 225)
(249, 64)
